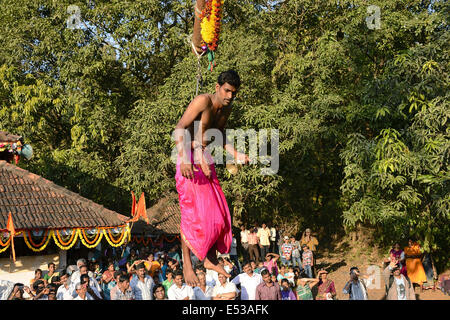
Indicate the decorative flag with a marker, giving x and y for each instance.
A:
(141, 210)
(12, 230)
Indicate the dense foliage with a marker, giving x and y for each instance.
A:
(362, 113)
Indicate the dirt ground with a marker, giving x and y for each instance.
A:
(339, 264)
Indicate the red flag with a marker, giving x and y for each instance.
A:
(133, 205)
(10, 225)
(12, 230)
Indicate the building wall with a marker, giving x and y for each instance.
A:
(23, 269)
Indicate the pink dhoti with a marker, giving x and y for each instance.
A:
(205, 217)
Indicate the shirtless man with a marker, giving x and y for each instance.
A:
(211, 111)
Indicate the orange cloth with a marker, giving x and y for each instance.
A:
(414, 267)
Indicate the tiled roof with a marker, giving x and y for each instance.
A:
(37, 203)
(8, 137)
(164, 217)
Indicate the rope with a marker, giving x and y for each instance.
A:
(199, 69)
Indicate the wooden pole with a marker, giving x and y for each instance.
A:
(197, 36)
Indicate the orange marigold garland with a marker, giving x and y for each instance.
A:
(211, 17)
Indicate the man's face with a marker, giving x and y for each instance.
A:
(263, 225)
(248, 269)
(222, 278)
(64, 278)
(397, 272)
(226, 93)
(124, 285)
(179, 280)
(266, 278)
(140, 272)
(83, 270)
(285, 285)
(201, 278)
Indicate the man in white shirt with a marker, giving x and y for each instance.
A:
(224, 290)
(76, 275)
(179, 290)
(142, 283)
(92, 282)
(203, 291)
(233, 253)
(81, 293)
(398, 287)
(244, 242)
(64, 291)
(273, 239)
(248, 280)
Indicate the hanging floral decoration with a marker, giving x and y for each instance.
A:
(91, 241)
(211, 17)
(32, 246)
(155, 242)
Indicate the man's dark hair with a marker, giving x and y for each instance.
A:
(63, 273)
(178, 273)
(124, 278)
(84, 278)
(37, 283)
(231, 77)
(284, 280)
(50, 263)
(200, 267)
(252, 261)
(140, 266)
(264, 272)
(246, 263)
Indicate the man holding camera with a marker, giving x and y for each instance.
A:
(355, 288)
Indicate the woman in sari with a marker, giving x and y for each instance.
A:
(325, 287)
(397, 254)
(414, 267)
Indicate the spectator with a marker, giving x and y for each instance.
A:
(37, 276)
(309, 240)
(271, 263)
(107, 280)
(304, 286)
(224, 289)
(286, 291)
(274, 278)
(273, 239)
(169, 281)
(290, 275)
(132, 257)
(52, 292)
(248, 280)
(399, 287)
(296, 255)
(123, 291)
(151, 265)
(76, 274)
(286, 252)
(64, 291)
(17, 292)
(253, 250)
(355, 287)
(267, 290)
(81, 293)
(92, 282)
(180, 291)
(308, 260)
(398, 254)
(174, 255)
(430, 271)
(326, 289)
(203, 291)
(50, 274)
(281, 274)
(233, 253)
(142, 284)
(264, 239)
(414, 267)
(244, 243)
(113, 283)
(40, 292)
(159, 292)
(254, 266)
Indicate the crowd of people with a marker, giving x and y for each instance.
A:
(269, 267)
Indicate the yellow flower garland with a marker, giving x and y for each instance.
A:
(126, 234)
(210, 24)
(49, 235)
(88, 242)
(71, 244)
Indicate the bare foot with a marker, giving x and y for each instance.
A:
(216, 267)
(190, 277)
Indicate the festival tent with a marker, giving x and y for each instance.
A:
(41, 212)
